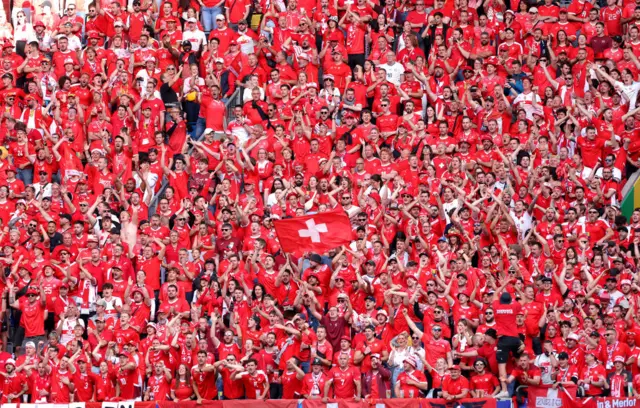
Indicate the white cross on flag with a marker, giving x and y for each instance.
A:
(314, 233)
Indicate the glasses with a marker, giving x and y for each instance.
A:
(324, 113)
(182, 219)
(437, 312)
(436, 329)
(560, 241)
(84, 205)
(346, 198)
(171, 69)
(384, 106)
(416, 338)
(226, 229)
(489, 314)
(31, 295)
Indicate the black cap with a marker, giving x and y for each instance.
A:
(563, 355)
(186, 42)
(371, 298)
(316, 361)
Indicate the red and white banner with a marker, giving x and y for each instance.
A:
(466, 403)
(549, 397)
(314, 233)
(381, 403)
(615, 403)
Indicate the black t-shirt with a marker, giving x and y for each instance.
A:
(168, 95)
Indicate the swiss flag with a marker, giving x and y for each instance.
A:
(314, 233)
(545, 396)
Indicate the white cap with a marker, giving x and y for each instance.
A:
(221, 17)
(208, 130)
(30, 344)
(573, 336)
(191, 20)
(10, 361)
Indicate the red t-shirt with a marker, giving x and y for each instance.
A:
(505, 316)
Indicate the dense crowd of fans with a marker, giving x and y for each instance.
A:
(479, 149)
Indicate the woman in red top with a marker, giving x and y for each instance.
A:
(181, 387)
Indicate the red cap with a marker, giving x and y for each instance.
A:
(93, 34)
(345, 337)
(27, 268)
(491, 61)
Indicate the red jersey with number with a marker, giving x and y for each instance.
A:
(159, 388)
(84, 386)
(255, 385)
(343, 381)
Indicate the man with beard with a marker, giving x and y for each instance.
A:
(204, 377)
(314, 382)
(14, 384)
(159, 383)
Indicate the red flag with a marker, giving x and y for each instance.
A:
(314, 233)
(545, 396)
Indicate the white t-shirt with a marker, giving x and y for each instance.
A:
(630, 91)
(393, 72)
(525, 101)
(523, 223)
(197, 39)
